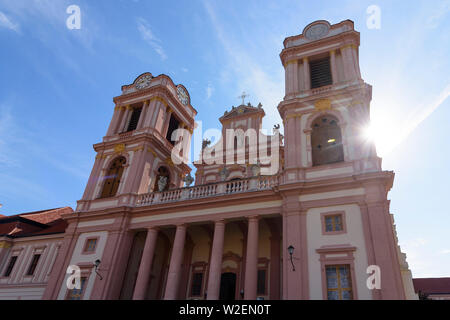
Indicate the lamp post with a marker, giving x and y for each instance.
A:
(96, 264)
(291, 252)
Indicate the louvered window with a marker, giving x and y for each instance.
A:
(134, 119)
(320, 73)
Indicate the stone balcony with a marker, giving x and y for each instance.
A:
(209, 190)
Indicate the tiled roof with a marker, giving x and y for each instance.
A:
(432, 285)
(34, 223)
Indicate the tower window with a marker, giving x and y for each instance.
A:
(134, 120)
(173, 125)
(326, 141)
(320, 73)
(112, 179)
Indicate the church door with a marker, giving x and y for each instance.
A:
(227, 286)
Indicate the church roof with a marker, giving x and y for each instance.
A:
(432, 285)
(242, 110)
(34, 223)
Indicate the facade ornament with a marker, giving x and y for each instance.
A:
(256, 169)
(224, 173)
(188, 179)
(119, 148)
(162, 182)
(323, 104)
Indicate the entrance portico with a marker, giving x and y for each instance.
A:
(230, 259)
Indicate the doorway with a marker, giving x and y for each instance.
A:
(228, 286)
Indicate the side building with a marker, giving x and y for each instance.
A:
(29, 244)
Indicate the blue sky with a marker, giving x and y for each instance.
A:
(57, 85)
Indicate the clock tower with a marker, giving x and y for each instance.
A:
(135, 156)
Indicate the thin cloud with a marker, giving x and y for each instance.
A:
(250, 76)
(209, 91)
(6, 22)
(150, 38)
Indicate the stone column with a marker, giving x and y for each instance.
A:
(295, 282)
(166, 122)
(145, 267)
(173, 276)
(275, 266)
(349, 68)
(215, 269)
(333, 66)
(143, 115)
(251, 264)
(306, 74)
(124, 121)
(113, 124)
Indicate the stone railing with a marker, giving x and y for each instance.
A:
(209, 190)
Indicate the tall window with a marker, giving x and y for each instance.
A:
(113, 178)
(134, 120)
(320, 73)
(77, 294)
(173, 125)
(339, 284)
(326, 141)
(33, 264)
(10, 268)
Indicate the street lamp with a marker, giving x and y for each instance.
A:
(96, 264)
(291, 252)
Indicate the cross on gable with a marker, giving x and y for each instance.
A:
(243, 96)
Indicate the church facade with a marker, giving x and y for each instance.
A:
(299, 216)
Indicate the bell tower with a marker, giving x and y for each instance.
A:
(135, 156)
(326, 107)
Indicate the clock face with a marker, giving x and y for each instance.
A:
(143, 82)
(183, 96)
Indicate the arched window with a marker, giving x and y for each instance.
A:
(113, 177)
(326, 141)
(162, 172)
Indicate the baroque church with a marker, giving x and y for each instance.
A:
(299, 216)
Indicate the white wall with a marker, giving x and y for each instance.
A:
(20, 286)
(354, 237)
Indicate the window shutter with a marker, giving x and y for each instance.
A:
(134, 119)
(320, 73)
